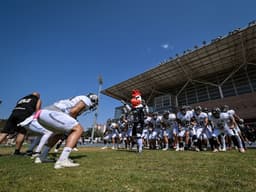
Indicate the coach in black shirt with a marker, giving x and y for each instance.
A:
(24, 108)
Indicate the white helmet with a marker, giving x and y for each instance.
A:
(94, 99)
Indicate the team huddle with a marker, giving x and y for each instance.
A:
(189, 129)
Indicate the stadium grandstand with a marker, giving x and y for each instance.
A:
(220, 72)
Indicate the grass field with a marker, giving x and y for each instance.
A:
(112, 170)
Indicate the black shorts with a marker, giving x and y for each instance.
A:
(11, 125)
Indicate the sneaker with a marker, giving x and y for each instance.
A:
(56, 150)
(241, 150)
(223, 149)
(29, 153)
(71, 160)
(35, 155)
(204, 149)
(197, 149)
(105, 147)
(74, 149)
(215, 150)
(181, 149)
(19, 153)
(39, 160)
(65, 163)
(165, 149)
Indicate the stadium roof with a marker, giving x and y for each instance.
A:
(230, 52)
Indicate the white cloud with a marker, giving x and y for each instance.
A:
(165, 46)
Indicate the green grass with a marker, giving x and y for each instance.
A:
(110, 170)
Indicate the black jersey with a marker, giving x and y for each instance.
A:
(26, 106)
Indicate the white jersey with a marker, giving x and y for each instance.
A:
(231, 112)
(147, 121)
(108, 129)
(185, 119)
(67, 104)
(57, 117)
(114, 127)
(169, 122)
(164, 122)
(222, 121)
(123, 125)
(152, 122)
(200, 119)
(172, 120)
(172, 117)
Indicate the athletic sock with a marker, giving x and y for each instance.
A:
(140, 144)
(65, 153)
(223, 142)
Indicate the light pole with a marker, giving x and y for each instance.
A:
(100, 81)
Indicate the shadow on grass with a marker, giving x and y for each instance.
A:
(74, 156)
(127, 151)
(5, 155)
(79, 156)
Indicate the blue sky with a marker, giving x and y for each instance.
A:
(60, 47)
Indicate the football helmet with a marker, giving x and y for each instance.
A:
(166, 114)
(216, 112)
(205, 109)
(183, 109)
(224, 108)
(198, 110)
(94, 99)
(155, 115)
